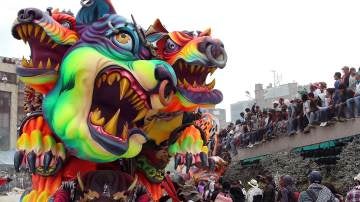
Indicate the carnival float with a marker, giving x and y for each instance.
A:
(109, 104)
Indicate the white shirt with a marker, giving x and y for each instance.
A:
(212, 186)
(352, 82)
(317, 92)
(306, 106)
(254, 191)
(357, 89)
(322, 98)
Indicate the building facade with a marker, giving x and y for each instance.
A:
(238, 107)
(220, 114)
(11, 103)
(265, 96)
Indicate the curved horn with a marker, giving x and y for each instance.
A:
(81, 184)
(206, 32)
(143, 38)
(133, 184)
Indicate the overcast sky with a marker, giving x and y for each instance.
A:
(305, 41)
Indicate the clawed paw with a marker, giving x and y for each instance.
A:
(37, 149)
(43, 162)
(200, 160)
(188, 145)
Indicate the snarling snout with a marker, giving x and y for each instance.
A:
(49, 36)
(194, 57)
(103, 103)
(214, 51)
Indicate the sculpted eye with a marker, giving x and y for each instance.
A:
(66, 24)
(171, 46)
(124, 40)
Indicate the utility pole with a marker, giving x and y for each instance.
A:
(274, 75)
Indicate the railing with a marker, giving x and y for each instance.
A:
(288, 143)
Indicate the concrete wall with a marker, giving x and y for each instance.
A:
(317, 135)
(13, 89)
(238, 107)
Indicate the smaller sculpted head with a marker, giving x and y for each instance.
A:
(49, 35)
(194, 56)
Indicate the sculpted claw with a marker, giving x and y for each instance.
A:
(59, 165)
(47, 160)
(31, 159)
(211, 165)
(18, 157)
(189, 158)
(177, 160)
(204, 159)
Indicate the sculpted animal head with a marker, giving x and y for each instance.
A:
(194, 56)
(106, 185)
(49, 35)
(106, 86)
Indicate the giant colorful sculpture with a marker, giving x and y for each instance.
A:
(118, 103)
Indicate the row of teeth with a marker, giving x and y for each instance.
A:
(185, 84)
(42, 64)
(196, 68)
(111, 126)
(29, 30)
(125, 92)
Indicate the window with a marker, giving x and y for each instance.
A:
(7, 77)
(5, 100)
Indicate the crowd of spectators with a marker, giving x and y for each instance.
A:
(320, 106)
(266, 189)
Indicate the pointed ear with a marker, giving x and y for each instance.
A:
(156, 27)
(206, 32)
(159, 26)
(56, 10)
(92, 10)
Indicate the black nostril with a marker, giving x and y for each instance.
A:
(216, 45)
(202, 46)
(29, 14)
(222, 45)
(21, 12)
(216, 50)
(216, 55)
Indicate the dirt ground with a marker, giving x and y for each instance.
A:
(10, 198)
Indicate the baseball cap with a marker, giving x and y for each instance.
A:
(315, 177)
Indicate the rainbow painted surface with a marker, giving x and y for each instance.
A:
(115, 97)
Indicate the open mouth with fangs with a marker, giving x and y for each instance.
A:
(118, 107)
(192, 82)
(46, 54)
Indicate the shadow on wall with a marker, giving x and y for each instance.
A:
(290, 163)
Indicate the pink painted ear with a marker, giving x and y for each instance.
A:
(206, 32)
(156, 27)
(159, 26)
